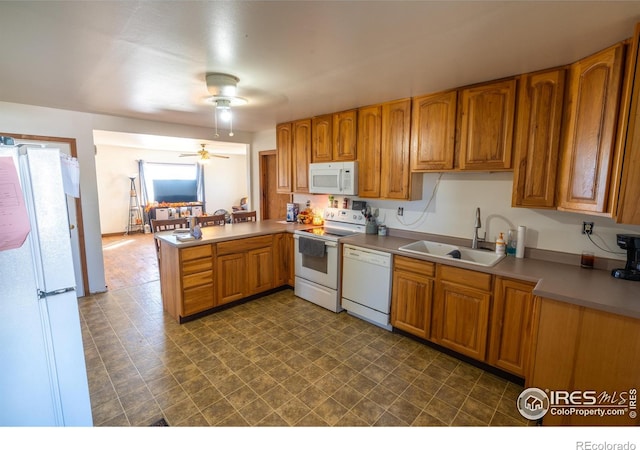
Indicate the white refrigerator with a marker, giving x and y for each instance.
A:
(43, 376)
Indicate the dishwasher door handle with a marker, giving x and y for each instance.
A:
(365, 257)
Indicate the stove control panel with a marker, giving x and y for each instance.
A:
(344, 216)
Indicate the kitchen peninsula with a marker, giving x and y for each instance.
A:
(229, 263)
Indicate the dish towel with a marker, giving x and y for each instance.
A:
(311, 247)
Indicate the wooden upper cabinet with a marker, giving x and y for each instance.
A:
(537, 138)
(590, 131)
(284, 158)
(486, 118)
(384, 152)
(301, 151)
(628, 206)
(395, 164)
(369, 151)
(322, 138)
(433, 131)
(344, 135)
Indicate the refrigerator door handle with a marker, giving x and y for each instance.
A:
(42, 294)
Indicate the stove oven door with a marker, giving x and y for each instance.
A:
(322, 270)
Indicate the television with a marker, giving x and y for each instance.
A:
(175, 191)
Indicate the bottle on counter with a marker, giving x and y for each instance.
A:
(500, 245)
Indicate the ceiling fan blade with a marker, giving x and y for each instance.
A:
(190, 154)
(219, 156)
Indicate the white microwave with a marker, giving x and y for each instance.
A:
(334, 178)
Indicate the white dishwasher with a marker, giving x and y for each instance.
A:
(366, 284)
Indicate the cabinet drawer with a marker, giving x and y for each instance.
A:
(418, 266)
(197, 279)
(197, 265)
(243, 245)
(469, 278)
(201, 251)
(197, 299)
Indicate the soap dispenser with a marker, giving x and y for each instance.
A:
(500, 245)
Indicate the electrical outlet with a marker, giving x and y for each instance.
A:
(587, 227)
(400, 211)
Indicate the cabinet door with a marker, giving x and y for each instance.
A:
(301, 155)
(411, 296)
(511, 318)
(578, 349)
(344, 135)
(537, 139)
(282, 258)
(287, 257)
(589, 134)
(461, 310)
(369, 152)
(283, 158)
(396, 134)
(486, 118)
(433, 131)
(628, 207)
(231, 277)
(322, 138)
(259, 270)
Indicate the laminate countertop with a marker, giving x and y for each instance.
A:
(231, 231)
(593, 288)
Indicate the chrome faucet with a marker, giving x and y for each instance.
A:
(476, 226)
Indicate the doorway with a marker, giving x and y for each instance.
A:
(74, 206)
(272, 204)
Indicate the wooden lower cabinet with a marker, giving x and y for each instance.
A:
(199, 278)
(582, 349)
(283, 259)
(412, 295)
(259, 270)
(231, 277)
(187, 279)
(245, 267)
(461, 310)
(510, 325)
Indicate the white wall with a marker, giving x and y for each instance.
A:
(452, 213)
(225, 181)
(33, 120)
(40, 121)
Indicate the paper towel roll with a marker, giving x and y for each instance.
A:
(522, 230)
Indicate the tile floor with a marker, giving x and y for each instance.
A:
(274, 361)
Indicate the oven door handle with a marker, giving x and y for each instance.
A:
(326, 243)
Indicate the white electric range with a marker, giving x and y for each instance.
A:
(318, 256)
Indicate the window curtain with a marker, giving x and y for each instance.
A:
(200, 183)
(144, 196)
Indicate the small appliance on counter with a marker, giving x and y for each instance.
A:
(631, 271)
(292, 212)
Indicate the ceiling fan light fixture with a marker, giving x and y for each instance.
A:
(223, 107)
(222, 88)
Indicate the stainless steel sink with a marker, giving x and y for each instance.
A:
(453, 252)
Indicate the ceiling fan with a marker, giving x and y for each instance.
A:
(204, 155)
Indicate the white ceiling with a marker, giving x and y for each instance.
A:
(295, 59)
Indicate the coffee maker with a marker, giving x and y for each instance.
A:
(631, 243)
